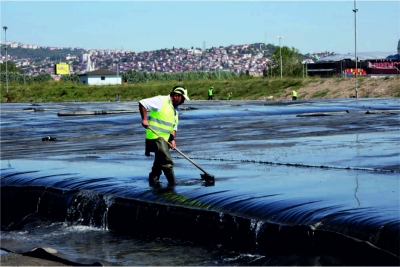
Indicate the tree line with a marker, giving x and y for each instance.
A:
(14, 75)
(129, 77)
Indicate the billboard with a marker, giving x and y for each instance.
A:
(61, 68)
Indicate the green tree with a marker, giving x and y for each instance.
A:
(265, 73)
(291, 61)
(71, 78)
(10, 66)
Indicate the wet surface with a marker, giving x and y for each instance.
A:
(322, 165)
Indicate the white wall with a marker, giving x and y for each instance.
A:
(96, 80)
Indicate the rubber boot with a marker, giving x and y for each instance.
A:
(154, 179)
(170, 177)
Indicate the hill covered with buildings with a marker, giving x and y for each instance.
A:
(251, 58)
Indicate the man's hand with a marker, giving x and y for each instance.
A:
(172, 144)
(145, 123)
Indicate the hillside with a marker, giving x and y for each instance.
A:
(251, 58)
(344, 88)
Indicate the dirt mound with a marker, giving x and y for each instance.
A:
(368, 87)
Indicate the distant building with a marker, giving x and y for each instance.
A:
(100, 77)
(370, 63)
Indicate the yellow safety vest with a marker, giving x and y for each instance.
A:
(210, 92)
(163, 121)
(294, 93)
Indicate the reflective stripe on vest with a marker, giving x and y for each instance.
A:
(162, 121)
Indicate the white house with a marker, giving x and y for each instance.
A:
(100, 77)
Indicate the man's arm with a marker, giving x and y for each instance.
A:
(153, 103)
(143, 114)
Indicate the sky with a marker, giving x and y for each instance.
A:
(309, 26)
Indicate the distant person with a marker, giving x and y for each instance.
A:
(294, 95)
(210, 93)
(163, 120)
(229, 97)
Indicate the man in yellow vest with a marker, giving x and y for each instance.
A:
(210, 93)
(163, 120)
(294, 95)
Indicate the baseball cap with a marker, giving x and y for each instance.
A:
(182, 91)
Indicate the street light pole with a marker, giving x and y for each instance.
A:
(5, 41)
(280, 51)
(355, 43)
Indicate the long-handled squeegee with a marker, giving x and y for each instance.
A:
(208, 178)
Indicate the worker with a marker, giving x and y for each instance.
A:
(210, 93)
(294, 95)
(163, 120)
(229, 96)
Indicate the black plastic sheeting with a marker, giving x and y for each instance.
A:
(252, 221)
(311, 185)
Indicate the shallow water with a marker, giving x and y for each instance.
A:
(272, 168)
(86, 244)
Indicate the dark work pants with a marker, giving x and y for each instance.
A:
(162, 160)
